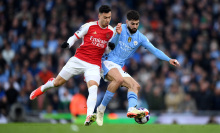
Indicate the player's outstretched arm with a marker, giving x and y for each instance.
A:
(70, 42)
(174, 62)
(77, 35)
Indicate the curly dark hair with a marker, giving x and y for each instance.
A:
(104, 9)
(133, 15)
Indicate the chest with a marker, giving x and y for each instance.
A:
(99, 33)
(129, 41)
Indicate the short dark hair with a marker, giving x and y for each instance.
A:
(104, 9)
(133, 15)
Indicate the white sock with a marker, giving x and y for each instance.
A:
(102, 108)
(48, 85)
(91, 100)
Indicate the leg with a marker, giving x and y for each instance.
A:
(133, 89)
(131, 84)
(63, 76)
(92, 78)
(91, 102)
(116, 80)
(52, 82)
(92, 97)
(59, 81)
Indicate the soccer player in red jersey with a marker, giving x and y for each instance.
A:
(87, 59)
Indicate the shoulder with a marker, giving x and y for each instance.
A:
(110, 27)
(143, 38)
(89, 24)
(124, 26)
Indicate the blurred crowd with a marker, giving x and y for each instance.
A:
(189, 30)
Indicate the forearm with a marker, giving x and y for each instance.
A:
(72, 40)
(159, 54)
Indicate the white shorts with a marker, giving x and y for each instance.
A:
(108, 65)
(75, 66)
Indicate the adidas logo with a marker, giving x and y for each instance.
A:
(94, 32)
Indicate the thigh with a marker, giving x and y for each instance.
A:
(111, 70)
(73, 67)
(108, 67)
(116, 73)
(92, 74)
(113, 74)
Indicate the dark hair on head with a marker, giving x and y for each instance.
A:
(104, 9)
(133, 15)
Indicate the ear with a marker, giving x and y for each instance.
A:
(127, 22)
(99, 16)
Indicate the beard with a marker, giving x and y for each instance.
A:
(132, 31)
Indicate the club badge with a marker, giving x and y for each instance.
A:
(135, 43)
(108, 35)
(129, 39)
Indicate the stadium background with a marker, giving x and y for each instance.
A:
(189, 30)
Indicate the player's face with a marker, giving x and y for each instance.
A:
(104, 19)
(132, 25)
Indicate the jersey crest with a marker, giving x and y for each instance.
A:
(108, 35)
(135, 43)
(129, 39)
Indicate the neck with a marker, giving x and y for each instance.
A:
(102, 26)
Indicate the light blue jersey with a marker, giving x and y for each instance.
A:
(126, 44)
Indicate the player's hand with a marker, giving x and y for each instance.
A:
(174, 62)
(118, 28)
(111, 45)
(64, 45)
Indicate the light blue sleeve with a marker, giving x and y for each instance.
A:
(115, 38)
(158, 53)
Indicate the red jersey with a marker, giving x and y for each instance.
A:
(95, 41)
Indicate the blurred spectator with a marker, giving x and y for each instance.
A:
(23, 99)
(174, 98)
(78, 105)
(12, 81)
(52, 44)
(45, 74)
(3, 102)
(37, 42)
(217, 96)
(8, 54)
(188, 105)
(155, 99)
(11, 94)
(204, 97)
(64, 97)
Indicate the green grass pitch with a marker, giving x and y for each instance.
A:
(106, 128)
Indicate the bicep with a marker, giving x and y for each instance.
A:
(82, 31)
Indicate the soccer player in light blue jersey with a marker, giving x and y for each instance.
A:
(126, 43)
